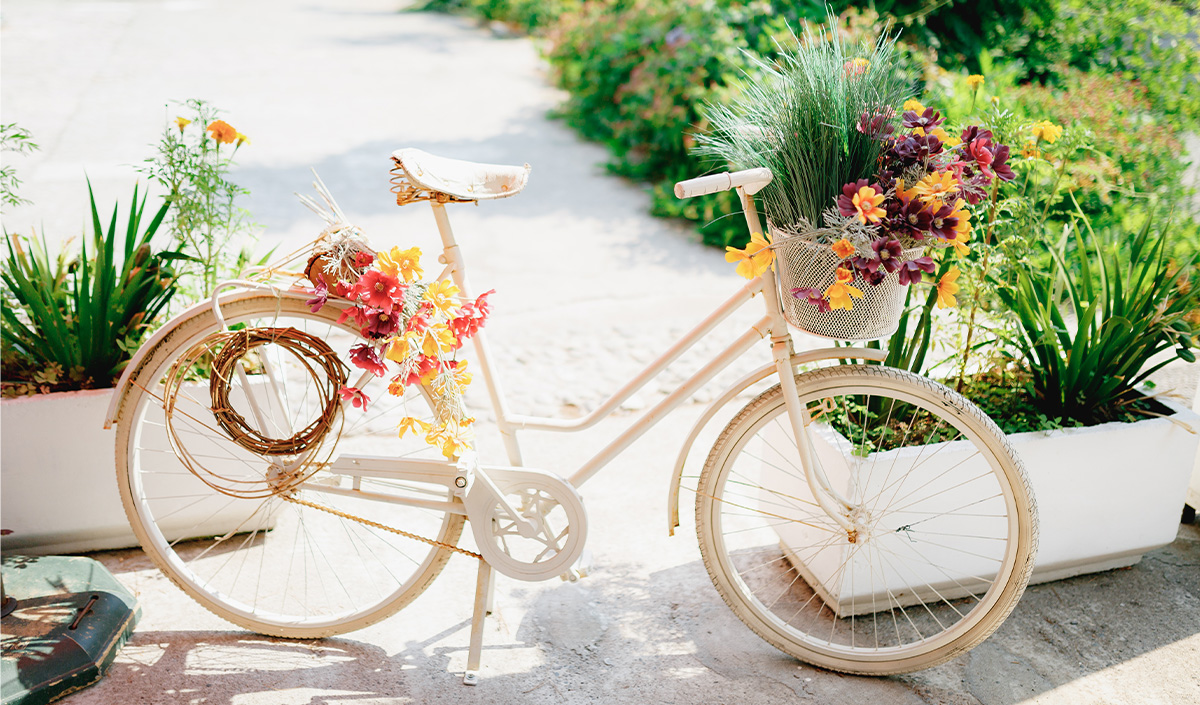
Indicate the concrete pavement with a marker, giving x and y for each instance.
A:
(589, 286)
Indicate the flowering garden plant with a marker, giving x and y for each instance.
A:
(419, 326)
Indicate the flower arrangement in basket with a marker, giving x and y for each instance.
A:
(418, 325)
(857, 206)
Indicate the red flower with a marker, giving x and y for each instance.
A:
(366, 358)
(357, 313)
(423, 367)
(381, 324)
(378, 290)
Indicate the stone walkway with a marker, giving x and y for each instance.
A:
(589, 287)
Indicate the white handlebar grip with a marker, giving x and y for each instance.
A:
(751, 179)
(703, 185)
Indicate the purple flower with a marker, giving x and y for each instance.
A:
(887, 255)
(912, 219)
(321, 296)
(910, 270)
(877, 125)
(1000, 163)
(926, 120)
(943, 223)
(913, 149)
(812, 296)
(365, 357)
(974, 132)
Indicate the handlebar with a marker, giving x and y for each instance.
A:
(752, 180)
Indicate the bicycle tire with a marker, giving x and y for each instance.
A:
(308, 573)
(920, 583)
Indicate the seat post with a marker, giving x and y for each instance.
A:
(452, 257)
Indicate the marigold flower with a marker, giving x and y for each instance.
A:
(974, 81)
(1030, 151)
(182, 123)
(947, 288)
(935, 185)
(1046, 131)
(222, 131)
(753, 261)
(843, 248)
(914, 105)
(242, 139)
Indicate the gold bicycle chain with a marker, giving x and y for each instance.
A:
(377, 525)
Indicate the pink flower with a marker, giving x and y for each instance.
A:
(321, 296)
(378, 290)
(812, 296)
(365, 357)
(355, 397)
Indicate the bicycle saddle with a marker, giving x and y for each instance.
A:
(464, 180)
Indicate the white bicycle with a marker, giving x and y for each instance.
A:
(858, 517)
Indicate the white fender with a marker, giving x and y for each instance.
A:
(737, 388)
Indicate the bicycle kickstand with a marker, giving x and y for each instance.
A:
(483, 585)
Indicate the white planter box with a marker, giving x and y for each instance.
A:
(58, 487)
(1106, 495)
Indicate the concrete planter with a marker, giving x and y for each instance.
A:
(1106, 494)
(59, 481)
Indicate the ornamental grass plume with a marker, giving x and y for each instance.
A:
(800, 118)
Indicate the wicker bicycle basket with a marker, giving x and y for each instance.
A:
(805, 264)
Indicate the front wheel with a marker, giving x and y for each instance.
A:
(945, 525)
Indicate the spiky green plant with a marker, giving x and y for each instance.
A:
(799, 119)
(72, 323)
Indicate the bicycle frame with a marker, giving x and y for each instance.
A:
(772, 325)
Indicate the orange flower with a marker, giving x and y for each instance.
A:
(840, 293)
(947, 288)
(842, 248)
(222, 131)
(866, 204)
(753, 261)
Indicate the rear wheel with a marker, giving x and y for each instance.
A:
(945, 527)
(292, 561)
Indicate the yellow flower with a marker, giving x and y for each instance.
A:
(182, 123)
(842, 248)
(1046, 131)
(839, 295)
(1030, 151)
(935, 185)
(753, 261)
(946, 138)
(908, 194)
(962, 231)
(242, 139)
(441, 295)
(995, 100)
(398, 350)
(974, 81)
(914, 105)
(437, 339)
(946, 289)
(417, 426)
(397, 262)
